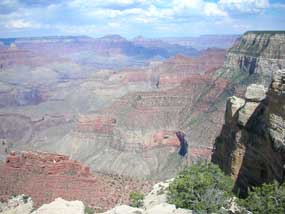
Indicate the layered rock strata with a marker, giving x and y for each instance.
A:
(258, 52)
(45, 176)
(251, 146)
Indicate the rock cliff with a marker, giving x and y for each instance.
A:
(251, 146)
(258, 52)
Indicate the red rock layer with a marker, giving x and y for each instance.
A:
(46, 176)
(96, 123)
(164, 138)
(47, 164)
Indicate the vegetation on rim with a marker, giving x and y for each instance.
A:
(201, 187)
(136, 199)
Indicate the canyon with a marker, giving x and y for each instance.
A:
(109, 115)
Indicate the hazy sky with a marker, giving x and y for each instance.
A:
(150, 18)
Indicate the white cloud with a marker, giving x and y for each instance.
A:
(136, 16)
(244, 5)
(212, 9)
(147, 15)
(197, 7)
(20, 23)
(106, 3)
(187, 4)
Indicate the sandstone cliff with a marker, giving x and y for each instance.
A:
(251, 146)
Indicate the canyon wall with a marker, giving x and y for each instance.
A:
(251, 146)
(154, 117)
(258, 52)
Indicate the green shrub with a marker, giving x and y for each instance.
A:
(89, 210)
(25, 198)
(268, 198)
(136, 199)
(201, 187)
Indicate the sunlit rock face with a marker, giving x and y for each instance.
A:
(251, 145)
(60, 205)
(46, 176)
(258, 52)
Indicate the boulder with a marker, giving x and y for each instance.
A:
(124, 209)
(60, 206)
(233, 105)
(278, 82)
(246, 112)
(166, 208)
(255, 93)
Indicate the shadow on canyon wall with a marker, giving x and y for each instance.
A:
(183, 144)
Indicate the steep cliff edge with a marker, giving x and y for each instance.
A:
(258, 52)
(251, 146)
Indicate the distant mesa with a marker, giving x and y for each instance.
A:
(113, 37)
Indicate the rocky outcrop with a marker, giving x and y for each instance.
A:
(155, 202)
(60, 206)
(276, 116)
(21, 204)
(251, 146)
(47, 164)
(258, 52)
(169, 138)
(163, 208)
(45, 176)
